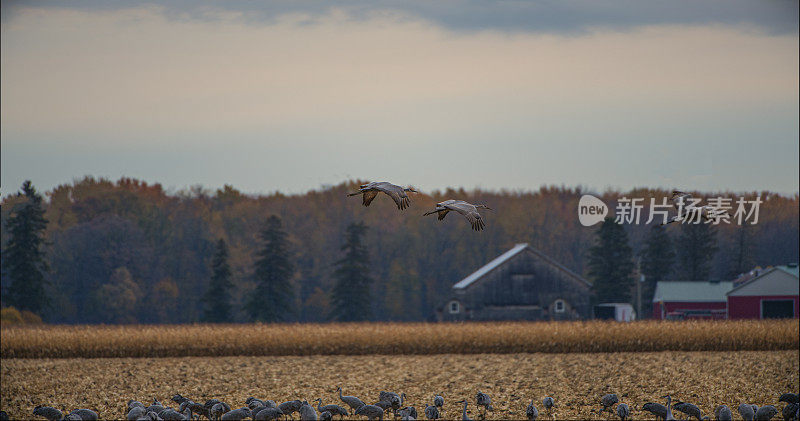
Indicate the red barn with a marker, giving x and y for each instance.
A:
(773, 294)
(690, 300)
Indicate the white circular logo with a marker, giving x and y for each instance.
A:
(591, 210)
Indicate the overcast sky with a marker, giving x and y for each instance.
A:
(293, 95)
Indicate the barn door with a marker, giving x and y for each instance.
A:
(777, 309)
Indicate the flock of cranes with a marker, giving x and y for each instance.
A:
(687, 209)
(748, 412)
(396, 406)
(369, 191)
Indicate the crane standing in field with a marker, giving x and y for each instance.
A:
(531, 412)
(353, 402)
(370, 190)
(689, 409)
(723, 413)
(468, 210)
(660, 411)
(669, 416)
(464, 416)
(623, 412)
(549, 404)
(438, 402)
(333, 409)
(432, 412)
(608, 401)
(747, 411)
(372, 412)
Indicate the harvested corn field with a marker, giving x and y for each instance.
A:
(576, 381)
(388, 338)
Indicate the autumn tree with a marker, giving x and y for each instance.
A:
(23, 260)
(117, 300)
(611, 264)
(351, 298)
(217, 300)
(698, 245)
(271, 301)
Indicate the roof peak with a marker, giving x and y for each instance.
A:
(497, 261)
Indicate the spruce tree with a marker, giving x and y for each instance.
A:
(350, 299)
(610, 264)
(24, 258)
(217, 300)
(658, 257)
(698, 245)
(272, 299)
(742, 253)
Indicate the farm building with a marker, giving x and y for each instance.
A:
(520, 284)
(688, 299)
(771, 294)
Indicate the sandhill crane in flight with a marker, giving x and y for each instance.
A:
(469, 211)
(397, 193)
(688, 210)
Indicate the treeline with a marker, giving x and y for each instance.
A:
(160, 247)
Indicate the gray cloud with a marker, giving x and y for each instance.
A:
(568, 17)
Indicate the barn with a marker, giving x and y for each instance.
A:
(520, 284)
(771, 294)
(690, 300)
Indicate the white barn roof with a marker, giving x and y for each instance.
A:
(499, 260)
(689, 291)
(489, 266)
(780, 280)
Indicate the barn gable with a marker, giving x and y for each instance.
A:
(775, 281)
(520, 284)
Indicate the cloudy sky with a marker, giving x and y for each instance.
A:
(292, 95)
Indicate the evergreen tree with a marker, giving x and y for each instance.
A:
(698, 244)
(350, 298)
(742, 258)
(272, 299)
(217, 300)
(658, 257)
(610, 264)
(23, 258)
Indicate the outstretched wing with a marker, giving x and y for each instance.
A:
(442, 213)
(681, 199)
(369, 196)
(470, 213)
(396, 193)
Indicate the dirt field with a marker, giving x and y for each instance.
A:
(576, 381)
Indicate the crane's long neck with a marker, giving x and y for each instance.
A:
(319, 404)
(464, 412)
(669, 408)
(340, 393)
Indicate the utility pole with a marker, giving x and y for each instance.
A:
(639, 281)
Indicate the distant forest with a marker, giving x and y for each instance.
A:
(162, 244)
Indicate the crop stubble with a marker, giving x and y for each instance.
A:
(575, 380)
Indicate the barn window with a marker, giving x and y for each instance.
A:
(559, 306)
(455, 308)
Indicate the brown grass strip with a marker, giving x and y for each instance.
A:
(394, 338)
